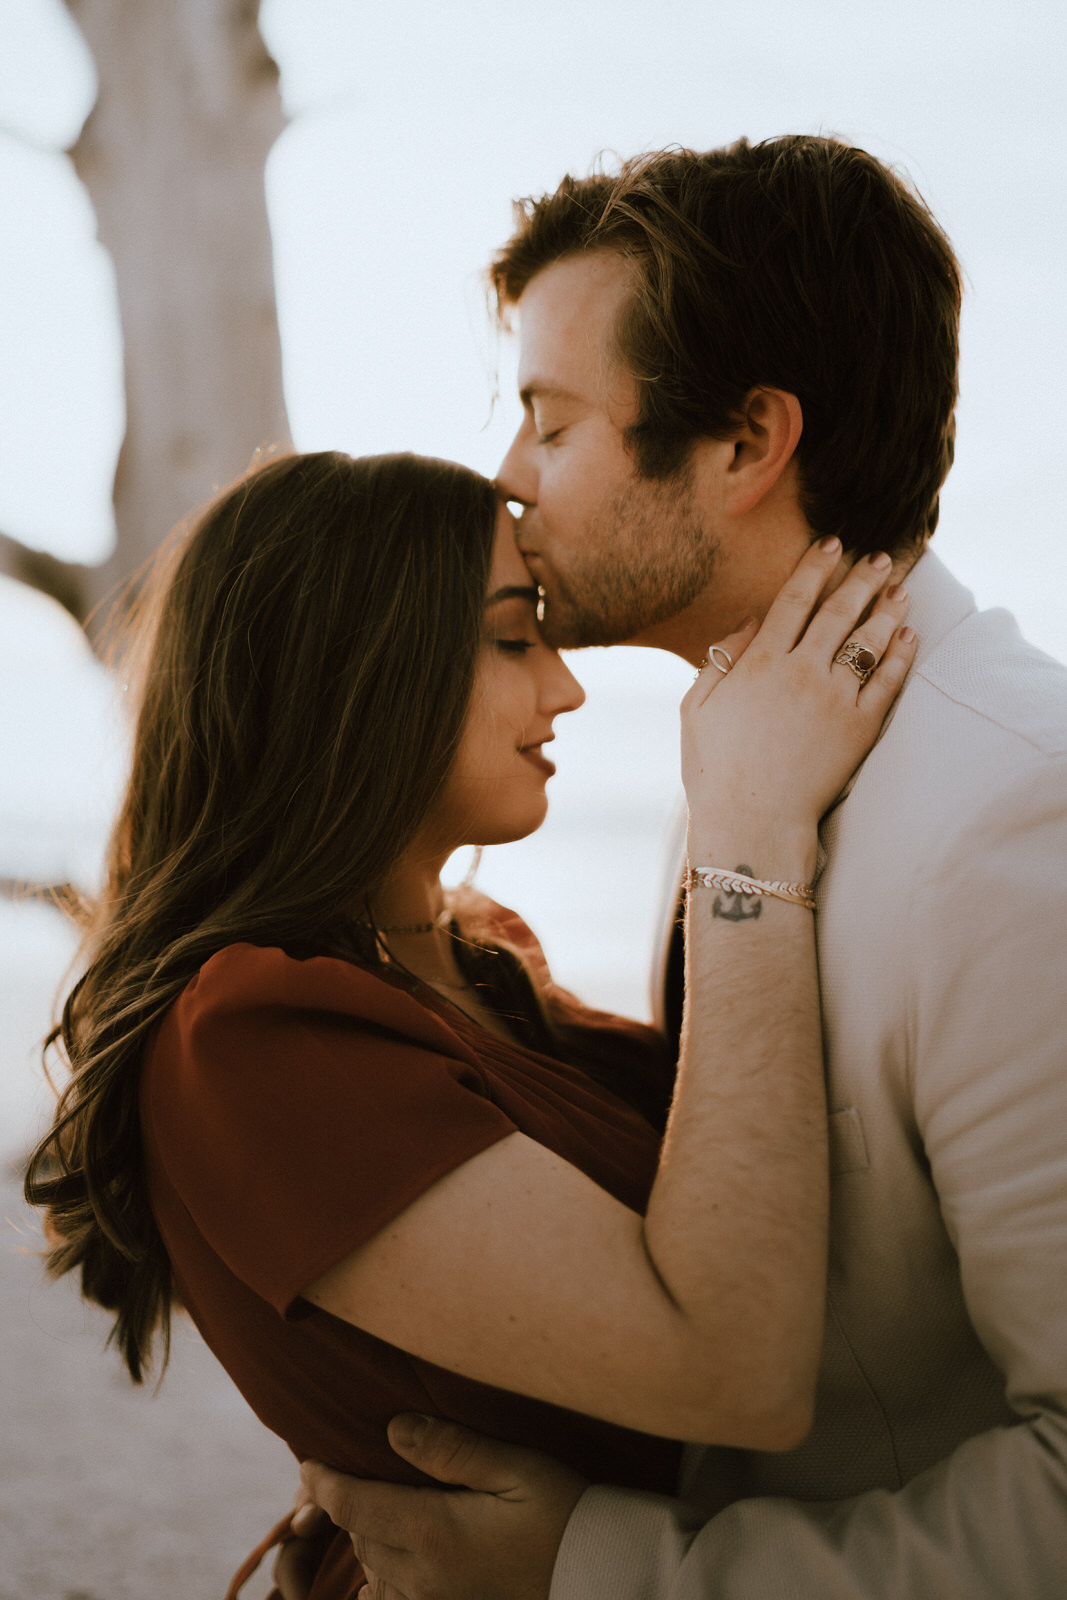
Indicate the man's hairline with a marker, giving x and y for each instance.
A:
(611, 355)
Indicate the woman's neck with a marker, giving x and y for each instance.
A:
(412, 918)
(415, 931)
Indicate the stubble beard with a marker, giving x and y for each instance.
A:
(642, 560)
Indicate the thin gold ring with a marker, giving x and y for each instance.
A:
(709, 660)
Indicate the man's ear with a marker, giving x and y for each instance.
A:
(762, 449)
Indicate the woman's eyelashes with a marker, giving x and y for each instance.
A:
(513, 631)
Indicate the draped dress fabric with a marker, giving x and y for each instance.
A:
(290, 1109)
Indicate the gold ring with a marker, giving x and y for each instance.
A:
(857, 658)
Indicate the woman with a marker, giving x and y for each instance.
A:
(347, 1121)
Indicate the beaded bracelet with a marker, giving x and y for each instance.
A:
(798, 894)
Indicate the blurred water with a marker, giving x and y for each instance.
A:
(62, 744)
(36, 949)
(61, 761)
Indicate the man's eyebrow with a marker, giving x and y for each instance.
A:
(515, 591)
(544, 391)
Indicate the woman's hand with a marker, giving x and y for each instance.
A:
(768, 745)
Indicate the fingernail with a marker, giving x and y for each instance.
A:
(408, 1431)
(896, 591)
(907, 635)
(831, 542)
(880, 561)
(749, 622)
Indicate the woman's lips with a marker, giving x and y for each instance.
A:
(532, 752)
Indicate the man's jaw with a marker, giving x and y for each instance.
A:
(568, 625)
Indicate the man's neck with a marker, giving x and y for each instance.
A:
(717, 611)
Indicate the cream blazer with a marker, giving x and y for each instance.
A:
(937, 1465)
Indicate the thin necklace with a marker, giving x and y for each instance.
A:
(440, 921)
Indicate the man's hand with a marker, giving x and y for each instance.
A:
(298, 1559)
(494, 1539)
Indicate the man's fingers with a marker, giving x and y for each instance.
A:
(454, 1454)
(415, 1541)
(388, 1572)
(298, 1559)
(381, 1513)
(309, 1519)
(376, 1588)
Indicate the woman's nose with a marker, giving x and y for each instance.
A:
(563, 691)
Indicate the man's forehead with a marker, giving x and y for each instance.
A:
(567, 317)
(576, 290)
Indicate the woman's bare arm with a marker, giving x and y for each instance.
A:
(703, 1320)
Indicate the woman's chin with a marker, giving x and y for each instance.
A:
(509, 829)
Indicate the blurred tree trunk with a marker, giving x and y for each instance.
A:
(172, 155)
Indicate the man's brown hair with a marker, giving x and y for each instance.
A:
(800, 264)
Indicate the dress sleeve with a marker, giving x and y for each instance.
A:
(639, 1039)
(634, 1060)
(298, 1106)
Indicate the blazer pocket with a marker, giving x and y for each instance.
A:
(848, 1146)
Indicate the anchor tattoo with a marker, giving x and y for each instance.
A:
(732, 907)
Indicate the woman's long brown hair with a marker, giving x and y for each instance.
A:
(307, 674)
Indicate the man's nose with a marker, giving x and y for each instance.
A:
(515, 479)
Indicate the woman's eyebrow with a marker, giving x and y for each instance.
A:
(513, 591)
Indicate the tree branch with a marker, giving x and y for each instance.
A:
(69, 582)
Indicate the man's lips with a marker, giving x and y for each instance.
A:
(532, 560)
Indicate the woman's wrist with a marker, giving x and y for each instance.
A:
(771, 854)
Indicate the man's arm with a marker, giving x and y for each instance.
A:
(933, 1540)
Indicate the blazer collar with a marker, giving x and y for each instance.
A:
(939, 603)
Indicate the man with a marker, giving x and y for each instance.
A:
(723, 356)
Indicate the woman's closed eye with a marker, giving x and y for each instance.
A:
(515, 647)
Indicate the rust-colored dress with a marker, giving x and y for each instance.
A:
(291, 1108)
